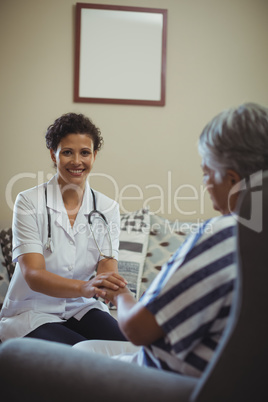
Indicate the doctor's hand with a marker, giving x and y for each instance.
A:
(109, 280)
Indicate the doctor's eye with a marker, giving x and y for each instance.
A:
(67, 152)
(86, 152)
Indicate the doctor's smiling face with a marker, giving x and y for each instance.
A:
(74, 159)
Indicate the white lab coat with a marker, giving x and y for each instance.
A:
(75, 256)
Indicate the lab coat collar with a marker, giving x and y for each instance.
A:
(55, 201)
(54, 197)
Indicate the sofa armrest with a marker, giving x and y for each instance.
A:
(34, 370)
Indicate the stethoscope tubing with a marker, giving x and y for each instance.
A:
(49, 244)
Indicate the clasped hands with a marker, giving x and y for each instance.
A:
(106, 285)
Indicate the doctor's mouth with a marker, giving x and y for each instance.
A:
(185, 199)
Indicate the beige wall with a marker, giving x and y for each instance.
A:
(216, 57)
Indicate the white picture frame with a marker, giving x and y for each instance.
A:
(120, 54)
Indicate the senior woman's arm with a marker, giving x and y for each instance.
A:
(136, 322)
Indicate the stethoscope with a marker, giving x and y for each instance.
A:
(97, 215)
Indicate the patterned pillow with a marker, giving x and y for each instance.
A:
(4, 279)
(133, 242)
(6, 246)
(165, 238)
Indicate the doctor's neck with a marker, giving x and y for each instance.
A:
(72, 194)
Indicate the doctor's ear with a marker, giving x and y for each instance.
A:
(53, 157)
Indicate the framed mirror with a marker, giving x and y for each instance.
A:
(120, 54)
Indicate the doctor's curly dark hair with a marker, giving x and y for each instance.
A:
(72, 123)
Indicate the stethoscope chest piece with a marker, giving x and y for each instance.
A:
(100, 217)
(49, 245)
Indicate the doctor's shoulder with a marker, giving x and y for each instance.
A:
(31, 200)
(106, 205)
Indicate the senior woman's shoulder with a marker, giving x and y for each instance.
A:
(221, 223)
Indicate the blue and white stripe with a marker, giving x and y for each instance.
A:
(191, 299)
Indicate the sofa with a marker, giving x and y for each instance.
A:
(33, 370)
(146, 241)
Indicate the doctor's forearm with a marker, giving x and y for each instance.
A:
(40, 280)
(57, 286)
(54, 285)
(107, 265)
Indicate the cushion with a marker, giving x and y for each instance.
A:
(4, 279)
(165, 238)
(6, 246)
(133, 243)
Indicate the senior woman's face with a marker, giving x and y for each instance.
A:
(219, 191)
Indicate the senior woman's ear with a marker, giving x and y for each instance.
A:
(234, 188)
(233, 177)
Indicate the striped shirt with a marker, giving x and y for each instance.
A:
(191, 299)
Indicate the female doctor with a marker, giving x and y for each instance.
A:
(58, 246)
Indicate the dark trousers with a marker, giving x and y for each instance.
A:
(95, 324)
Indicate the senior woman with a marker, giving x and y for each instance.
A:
(179, 321)
(52, 292)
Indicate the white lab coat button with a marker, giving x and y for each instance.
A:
(70, 267)
(71, 242)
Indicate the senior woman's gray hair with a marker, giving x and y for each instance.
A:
(236, 139)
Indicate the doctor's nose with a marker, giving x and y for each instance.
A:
(76, 160)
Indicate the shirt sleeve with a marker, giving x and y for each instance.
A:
(26, 236)
(190, 294)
